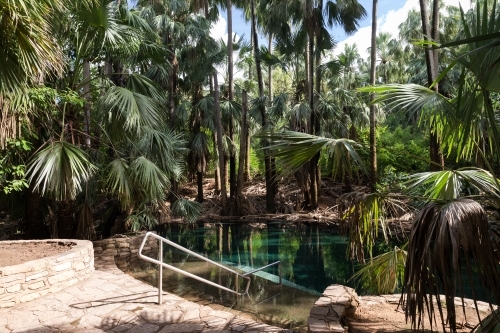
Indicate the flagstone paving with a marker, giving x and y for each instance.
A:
(112, 301)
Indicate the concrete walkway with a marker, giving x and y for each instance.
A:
(111, 301)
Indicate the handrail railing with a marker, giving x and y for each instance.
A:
(161, 264)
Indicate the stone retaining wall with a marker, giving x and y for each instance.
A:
(329, 311)
(121, 251)
(27, 281)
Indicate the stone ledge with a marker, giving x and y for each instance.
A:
(121, 251)
(30, 280)
(329, 311)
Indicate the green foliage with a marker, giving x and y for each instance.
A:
(404, 149)
(12, 168)
(362, 216)
(190, 210)
(384, 273)
(59, 170)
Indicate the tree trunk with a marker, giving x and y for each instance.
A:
(314, 121)
(217, 166)
(373, 124)
(87, 97)
(270, 70)
(270, 189)
(243, 144)
(66, 225)
(199, 181)
(246, 175)
(431, 60)
(34, 227)
(232, 154)
(223, 195)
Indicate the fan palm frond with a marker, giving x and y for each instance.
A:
(384, 273)
(59, 170)
(122, 108)
(119, 182)
(149, 178)
(294, 149)
(449, 184)
(190, 210)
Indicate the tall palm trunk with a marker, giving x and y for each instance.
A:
(66, 225)
(246, 175)
(270, 189)
(373, 124)
(241, 163)
(431, 60)
(310, 87)
(270, 69)
(34, 227)
(223, 195)
(86, 95)
(232, 155)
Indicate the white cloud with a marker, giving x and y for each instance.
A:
(388, 23)
(218, 30)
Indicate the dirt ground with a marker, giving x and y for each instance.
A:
(375, 317)
(289, 203)
(14, 254)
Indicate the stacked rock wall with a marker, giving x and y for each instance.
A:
(327, 314)
(27, 281)
(121, 251)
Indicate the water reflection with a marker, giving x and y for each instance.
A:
(311, 258)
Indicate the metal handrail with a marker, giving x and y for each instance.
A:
(161, 264)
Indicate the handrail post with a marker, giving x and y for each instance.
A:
(160, 272)
(279, 273)
(237, 286)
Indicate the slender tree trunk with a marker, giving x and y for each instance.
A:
(34, 227)
(241, 164)
(199, 181)
(66, 225)
(270, 70)
(431, 59)
(270, 189)
(373, 124)
(243, 144)
(232, 155)
(86, 95)
(223, 195)
(314, 120)
(246, 175)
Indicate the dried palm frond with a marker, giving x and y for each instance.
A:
(363, 214)
(446, 238)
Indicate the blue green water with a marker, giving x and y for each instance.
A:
(312, 258)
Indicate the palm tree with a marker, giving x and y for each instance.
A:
(373, 124)
(28, 49)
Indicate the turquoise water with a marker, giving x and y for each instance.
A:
(312, 258)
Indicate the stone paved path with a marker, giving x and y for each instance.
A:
(111, 301)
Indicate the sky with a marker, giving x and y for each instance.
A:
(391, 13)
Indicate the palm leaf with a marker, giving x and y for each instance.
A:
(59, 170)
(445, 239)
(384, 273)
(152, 182)
(294, 149)
(362, 215)
(119, 182)
(190, 210)
(447, 185)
